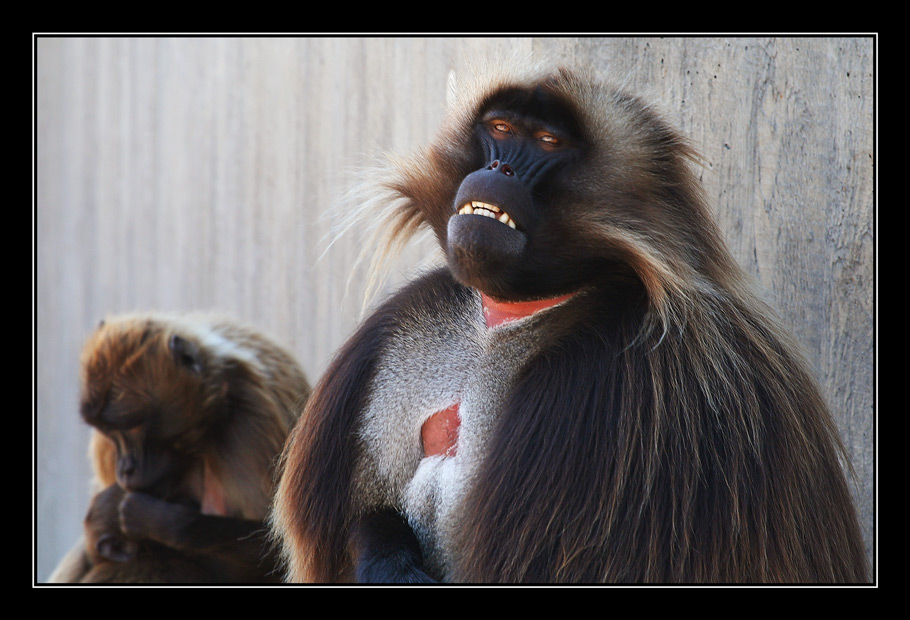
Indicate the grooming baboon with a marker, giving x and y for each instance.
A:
(190, 413)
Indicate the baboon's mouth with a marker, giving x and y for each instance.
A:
(476, 207)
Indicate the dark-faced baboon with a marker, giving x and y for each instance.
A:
(587, 392)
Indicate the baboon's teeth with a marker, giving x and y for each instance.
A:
(482, 208)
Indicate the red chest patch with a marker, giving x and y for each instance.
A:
(439, 433)
(498, 312)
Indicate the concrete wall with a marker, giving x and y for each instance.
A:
(200, 173)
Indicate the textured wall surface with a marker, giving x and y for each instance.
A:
(201, 173)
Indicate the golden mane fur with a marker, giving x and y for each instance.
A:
(249, 389)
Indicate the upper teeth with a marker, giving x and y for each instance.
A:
(482, 208)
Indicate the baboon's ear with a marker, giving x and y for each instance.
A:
(115, 548)
(186, 353)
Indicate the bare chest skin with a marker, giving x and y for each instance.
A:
(449, 362)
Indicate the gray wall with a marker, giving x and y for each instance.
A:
(183, 173)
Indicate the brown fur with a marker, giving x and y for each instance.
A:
(666, 429)
(249, 390)
(116, 558)
(214, 412)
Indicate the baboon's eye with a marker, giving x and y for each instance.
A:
(502, 127)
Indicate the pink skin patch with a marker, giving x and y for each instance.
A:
(439, 433)
(212, 494)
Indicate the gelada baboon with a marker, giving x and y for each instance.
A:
(587, 391)
(189, 413)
